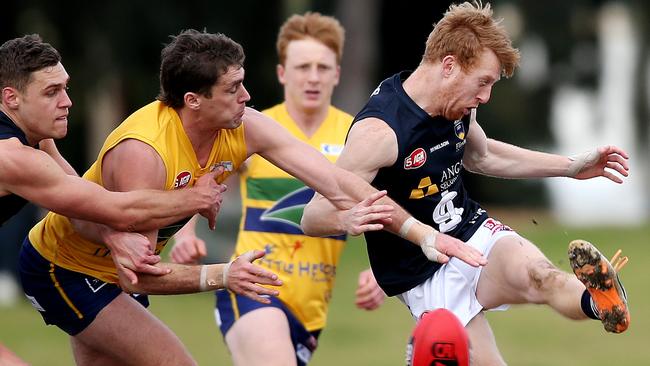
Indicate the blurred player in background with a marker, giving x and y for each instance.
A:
(414, 138)
(310, 48)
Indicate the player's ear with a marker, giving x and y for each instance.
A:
(192, 100)
(279, 69)
(10, 97)
(448, 65)
(338, 75)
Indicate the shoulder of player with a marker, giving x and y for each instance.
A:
(252, 115)
(372, 129)
(13, 152)
(21, 162)
(134, 150)
(367, 137)
(260, 126)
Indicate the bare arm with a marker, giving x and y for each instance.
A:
(495, 158)
(35, 176)
(239, 276)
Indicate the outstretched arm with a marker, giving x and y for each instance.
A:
(37, 177)
(239, 276)
(495, 158)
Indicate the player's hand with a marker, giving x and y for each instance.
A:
(438, 247)
(211, 194)
(132, 253)
(600, 162)
(369, 296)
(244, 278)
(188, 248)
(367, 215)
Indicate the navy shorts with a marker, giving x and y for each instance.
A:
(231, 307)
(70, 300)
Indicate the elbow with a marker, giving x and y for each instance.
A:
(124, 221)
(306, 226)
(122, 226)
(473, 163)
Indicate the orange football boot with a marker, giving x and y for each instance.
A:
(600, 276)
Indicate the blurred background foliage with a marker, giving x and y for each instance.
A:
(111, 50)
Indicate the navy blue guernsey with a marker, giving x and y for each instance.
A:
(10, 204)
(425, 180)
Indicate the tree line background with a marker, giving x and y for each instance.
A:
(112, 50)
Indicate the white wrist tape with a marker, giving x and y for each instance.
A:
(406, 226)
(429, 246)
(203, 284)
(579, 161)
(225, 274)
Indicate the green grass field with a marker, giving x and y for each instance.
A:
(527, 335)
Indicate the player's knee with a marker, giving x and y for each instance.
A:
(542, 277)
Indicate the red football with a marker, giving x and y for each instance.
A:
(439, 339)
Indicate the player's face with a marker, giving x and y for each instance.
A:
(469, 88)
(42, 107)
(229, 96)
(309, 74)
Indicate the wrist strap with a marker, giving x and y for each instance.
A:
(406, 226)
(225, 274)
(203, 284)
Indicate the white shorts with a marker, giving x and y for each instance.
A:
(453, 286)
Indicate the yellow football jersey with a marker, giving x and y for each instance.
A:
(272, 205)
(160, 127)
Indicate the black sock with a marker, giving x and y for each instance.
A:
(585, 303)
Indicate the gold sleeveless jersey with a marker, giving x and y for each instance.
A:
(272, 205)
(160, 127)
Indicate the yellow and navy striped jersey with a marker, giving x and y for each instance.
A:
(272, 205)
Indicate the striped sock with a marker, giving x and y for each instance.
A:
(588, 306)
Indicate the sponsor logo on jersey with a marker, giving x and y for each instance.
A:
(476, 216)
(425, 188)
(450, 175)
(459, 145)
(439, 146)
(331, 149)
(182, 179)
(416, 159)
(459, 129)
(296, 245)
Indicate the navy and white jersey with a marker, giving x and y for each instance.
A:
(10, 204)
(425, 180)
